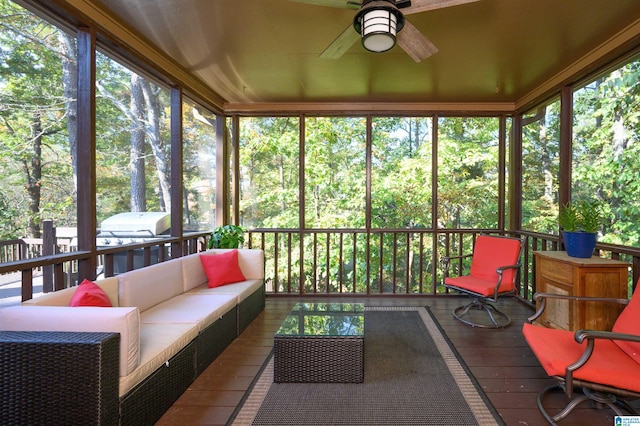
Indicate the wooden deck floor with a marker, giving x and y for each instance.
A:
(500, 360)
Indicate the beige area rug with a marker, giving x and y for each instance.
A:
(412, 377)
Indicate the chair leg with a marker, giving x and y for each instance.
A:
(498, 318)
(599, 400)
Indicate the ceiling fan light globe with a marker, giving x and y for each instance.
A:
(378, 42)
(378, 28)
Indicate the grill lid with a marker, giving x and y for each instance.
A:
(136, 224)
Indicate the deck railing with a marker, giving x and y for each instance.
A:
(129, 256)
(389, 261)
(328, 262)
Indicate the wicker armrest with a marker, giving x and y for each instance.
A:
(69, 377)
(542, 298)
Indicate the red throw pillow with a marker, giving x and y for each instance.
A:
(90, 294)
(222, 268)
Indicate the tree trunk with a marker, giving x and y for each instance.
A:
(154, 109)
(137, 173)
(33, 174)
(70, 85)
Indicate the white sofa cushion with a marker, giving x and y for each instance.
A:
(146, 287)
(158, 343)
(250, 261)
(63, 297)
(125, 321)
(193, 273)
(241, 290)
(198, 309)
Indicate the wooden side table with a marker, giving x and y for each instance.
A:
(558, 273)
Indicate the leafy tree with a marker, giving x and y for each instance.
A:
(199, 167)
(269, 171)
(541, 168)
(401, 187)
(606, 150)
(468, 173)
(33, 115)
(335, 172)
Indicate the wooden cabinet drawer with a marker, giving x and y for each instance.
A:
(554, 271)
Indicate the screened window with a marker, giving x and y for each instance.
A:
(605, 164)
(199, 166)
(468, 171)
(401, 172)
(37, 124)
(335, 172)
(540, 168)
(133, 141)
(269, 170)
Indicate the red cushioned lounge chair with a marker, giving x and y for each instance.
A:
(495, 264)
(604, 366)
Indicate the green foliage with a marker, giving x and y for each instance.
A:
(468, 172)
(541, 168)
(227, 236)
(584, 215)
(606, 150)
(34, 142)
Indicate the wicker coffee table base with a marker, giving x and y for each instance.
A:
(318, 359)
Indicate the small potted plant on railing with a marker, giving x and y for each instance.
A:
(580, 222)
(227, 236)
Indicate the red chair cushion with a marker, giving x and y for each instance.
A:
(222, 268)
(89, 293)
(556, 349)
(629, 323)
(490, 253)
(476, 285)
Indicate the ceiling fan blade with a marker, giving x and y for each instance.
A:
(418, 6)
(412, 41)
(340, 4)
(341, 44)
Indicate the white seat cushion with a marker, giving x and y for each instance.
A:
(200, 309)
(158, 343)
(125, 321)
(241, 290)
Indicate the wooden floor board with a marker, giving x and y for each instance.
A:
(500, 360)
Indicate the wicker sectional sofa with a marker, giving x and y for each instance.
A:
(137, 357)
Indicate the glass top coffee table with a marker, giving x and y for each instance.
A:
(320, 342)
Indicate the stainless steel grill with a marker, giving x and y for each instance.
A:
(131, 228)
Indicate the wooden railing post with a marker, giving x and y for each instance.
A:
(48, 248)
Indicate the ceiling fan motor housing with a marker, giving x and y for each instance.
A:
(378, 22)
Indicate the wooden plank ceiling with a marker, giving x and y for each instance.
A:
(267, 51)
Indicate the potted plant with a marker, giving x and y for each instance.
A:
(227, 236)
(580, 223)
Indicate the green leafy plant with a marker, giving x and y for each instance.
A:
(585, 216)
(227, 236)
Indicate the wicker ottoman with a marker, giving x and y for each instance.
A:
(321, 343)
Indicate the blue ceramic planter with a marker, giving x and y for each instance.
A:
(579, 244)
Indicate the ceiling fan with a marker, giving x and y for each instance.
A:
(381, 23)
